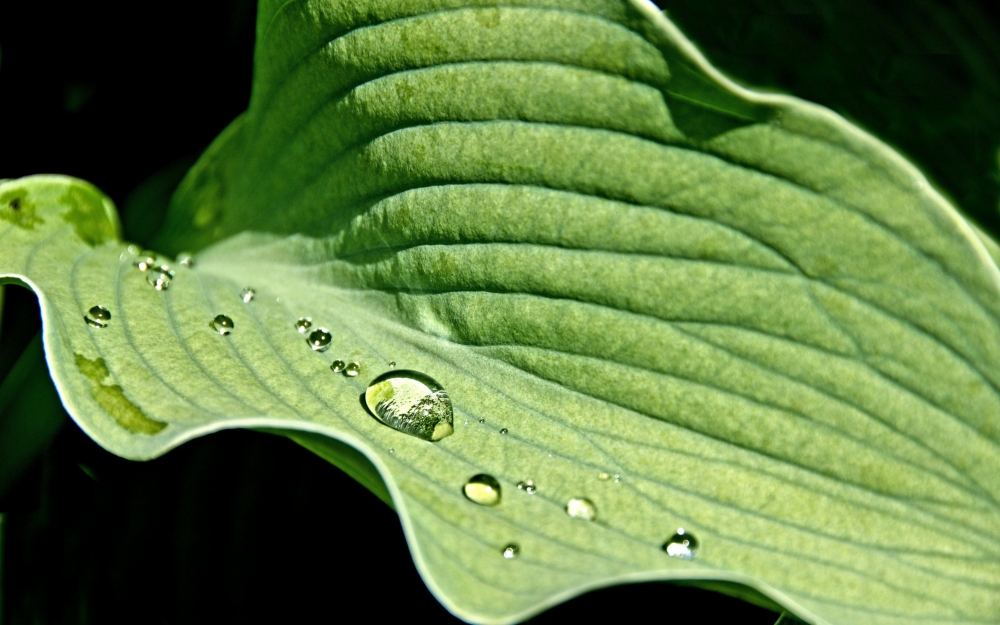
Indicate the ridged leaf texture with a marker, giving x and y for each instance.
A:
(762, 320)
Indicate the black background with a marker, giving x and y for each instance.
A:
(247, 527)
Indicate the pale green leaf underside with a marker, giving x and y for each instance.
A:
(765, 321)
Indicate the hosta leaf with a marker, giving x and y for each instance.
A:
(640, 285)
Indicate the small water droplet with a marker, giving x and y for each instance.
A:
(503, 431)
(319, 339)
(133, 250)
(482, 420)
(352, 369)
(186, 261)
(466, 422)
(159, 277)
(410, 402)
(303, 324)
(391, 450)
(581, 508)
(222, 324)
(146, 262)
(392, 364)
(682, 545)
(338, 366)
(604, 477)
(98, 316)
(618, 478)
(510, 551)
(527, 486)
(482, 489)
(247, 295)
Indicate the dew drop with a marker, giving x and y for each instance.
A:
(618, 478)
(503, 431)
(146, 263)
(159, 277)
(247, 295)
(392, 364)
(466, 422)
(482, 489)
(186, 261)
(604, 477)
(391, 450)
(98, 317)
(682, 545)
(338, 366)
(222, 324)
(510, 551)
(319, 339)
(410, 402)
(482, 420)
(133, 250)
(581, 508)
(303, 324)
(527, 486)
(352, 369)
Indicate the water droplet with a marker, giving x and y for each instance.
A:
(392, 364)
(510, 551)
(482, 489)
(391, 450)
(411, 402)
(133, 250)
(581, 508)
(618, 478)
(160, 277)
(482, 420)
(146, 263)
(222, 324)
(303, 324)
(338, 366)
(320, 339)
(186, 261)
(98, 316)
(466, 422)
(682, 545)
(247, 295)
(527, 486)
(604, 477)
(352, 369)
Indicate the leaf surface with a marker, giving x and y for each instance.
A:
(758, 323)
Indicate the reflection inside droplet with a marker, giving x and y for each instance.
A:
(222, 324)
(581, 508)
(482, 489)
(320, 339)
(98, 317)
(410, 402)
(681, 545)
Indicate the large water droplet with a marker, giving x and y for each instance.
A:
(482, 489)
(411, 402)
(160, 277)
(98, 316)
(247, 295)
(320, 339)
(222, 324)
(581, 508)
(510, 551)
(682, 545)
(303, 324)
(527, 486)
(338, 366)
(352, 369)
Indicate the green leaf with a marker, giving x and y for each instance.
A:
(616, 263)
